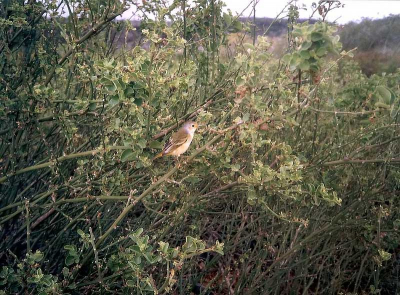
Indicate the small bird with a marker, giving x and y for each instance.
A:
(180, 141)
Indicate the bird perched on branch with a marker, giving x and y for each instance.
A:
(180, 141)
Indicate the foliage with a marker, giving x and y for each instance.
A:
(28, 275)
(290, 184)
(377, 43)
(312, 44)
(372, 34)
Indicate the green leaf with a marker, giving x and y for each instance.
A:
(69, 260)
(297, 32)
(92, 106)
(138, 101)
(235, 167)
(251, 196)
(4, 272)
(382, 105)
(336, 38)
(37, 256)
(306, 45)
(238, 26)
(130, 283)
(148, 287)
(111, 88)
(70, 247)
(201, 246)
(155, 144)
(383, 94)
(239, 81)
(174, 253)
(219, 248)
(393, 97)
(113, 101)
(189, 244)
(163, 247)
(106, 81)
(145, 67)
(227, 18)
(286, 58)
(46, 280)
(138, 232)
(316, 36)
(314, 67)
(65, 272)
(137, 85)
(192, 179)
(305, 54)
(321, 51)
(121, 95)
(262, 56)
(248, 46)
(295, 61)
(128, 155)
(141, 143)
(148, 257)
(304, 65)
(394, 111)
(129, 91)
(384, 255)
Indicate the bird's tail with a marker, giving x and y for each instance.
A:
(158, 156)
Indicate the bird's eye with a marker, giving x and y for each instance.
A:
(193, 126)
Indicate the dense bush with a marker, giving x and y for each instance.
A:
(377, 42)
(289, 187)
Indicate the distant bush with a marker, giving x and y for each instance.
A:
(376, 62)
(382, 34)
(378, 43)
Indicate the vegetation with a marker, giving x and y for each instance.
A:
(377, 42)
(289, 186)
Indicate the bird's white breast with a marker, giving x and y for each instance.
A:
(183, 148)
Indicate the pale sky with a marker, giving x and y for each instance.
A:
(354, 10)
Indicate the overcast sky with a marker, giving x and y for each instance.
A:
(354, 10)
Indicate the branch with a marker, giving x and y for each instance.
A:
(144, 194)
(343, 113)
(348, 161)
(61, 159)
(222, 188)
(152, 187)
(91, 198)
(370, 147)
(85, 37)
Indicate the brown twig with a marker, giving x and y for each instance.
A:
(368, 161)
(41, 218)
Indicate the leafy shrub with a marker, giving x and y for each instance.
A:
(377, 43)
(290, 184)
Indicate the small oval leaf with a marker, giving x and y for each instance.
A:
(127, 155)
